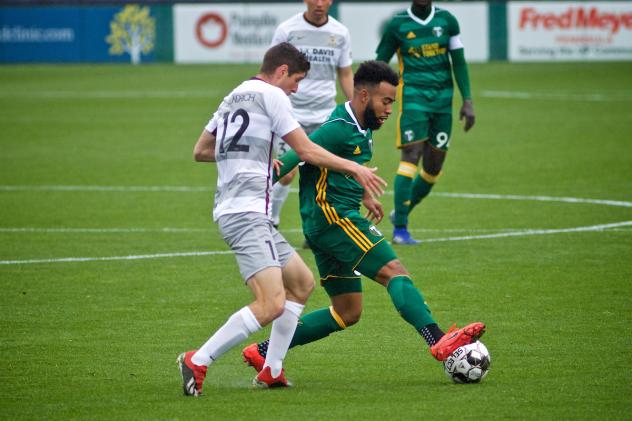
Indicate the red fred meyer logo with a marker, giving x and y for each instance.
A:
(576, 18)
(211, 30)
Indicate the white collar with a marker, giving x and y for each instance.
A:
(355, 120)
(416, 19)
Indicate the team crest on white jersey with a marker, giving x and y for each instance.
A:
(437, 31)
(332, 41)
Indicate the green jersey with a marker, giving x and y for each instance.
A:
(327, 196)
(422, 48)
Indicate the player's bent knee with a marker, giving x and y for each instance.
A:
(302, 291)
(390, 270)
(411, 153)
(352, 317)
(298, 280)
(272, 310)
(346, 315)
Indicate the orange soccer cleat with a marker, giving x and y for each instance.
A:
(455, 338)
(265, 380)
(253, 357)
(192, 375)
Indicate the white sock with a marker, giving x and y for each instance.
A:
(238, 327)
(283, 328)
(279, 194)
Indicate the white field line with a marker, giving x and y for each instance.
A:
(526, 233)
(189, 189)
(39, 230)
(429, 240)
(109, 94)
(520, 95)
(100, 230)
(559, 96)
(620, 203)
(131, 257)
(56, 188)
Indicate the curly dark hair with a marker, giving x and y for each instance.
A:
(373, 72)
(284, 53)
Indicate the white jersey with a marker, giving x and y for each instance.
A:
(327, 47)
(247, 126)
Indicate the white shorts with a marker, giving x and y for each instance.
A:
(256, 243)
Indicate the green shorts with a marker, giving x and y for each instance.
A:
(346, 249)
(418, 126)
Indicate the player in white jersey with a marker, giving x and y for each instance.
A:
(327, 44)
(240, 137)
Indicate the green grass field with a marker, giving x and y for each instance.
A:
(528, 230)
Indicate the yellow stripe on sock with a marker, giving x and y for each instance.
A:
(337, 317)
(431, 179)
(407, 169)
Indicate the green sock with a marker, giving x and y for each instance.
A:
(420, 188)
(314, 326)
(402, 199)
(409, 302)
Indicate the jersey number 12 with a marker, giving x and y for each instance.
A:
(233, 143)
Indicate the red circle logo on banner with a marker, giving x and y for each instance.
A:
(203, 33)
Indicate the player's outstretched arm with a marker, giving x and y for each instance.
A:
(316, 155)
(204, 150)
(462, 77)
(345, 78)
(289, 161)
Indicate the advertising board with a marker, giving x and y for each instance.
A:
(230, 33)
(569, 31)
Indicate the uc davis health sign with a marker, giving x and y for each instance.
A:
(230, 33)
(574, 31)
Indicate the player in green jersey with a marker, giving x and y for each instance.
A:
(428, 47)
(346, 244)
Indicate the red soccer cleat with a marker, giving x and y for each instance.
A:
(252, 357)
(192, 375)
(265, 380)
(455, 338)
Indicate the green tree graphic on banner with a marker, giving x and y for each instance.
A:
(132, 31)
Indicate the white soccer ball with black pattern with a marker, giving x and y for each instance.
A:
(468, 364)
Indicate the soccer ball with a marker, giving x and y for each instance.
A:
(468, 363)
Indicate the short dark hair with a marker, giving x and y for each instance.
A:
(373, 72)
(284, 53)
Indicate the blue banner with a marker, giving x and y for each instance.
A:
(73, 34)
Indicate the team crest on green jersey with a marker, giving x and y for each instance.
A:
(437, 31)
(375, 231)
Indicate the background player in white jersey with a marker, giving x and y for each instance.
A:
(240, 137)
(327, 44)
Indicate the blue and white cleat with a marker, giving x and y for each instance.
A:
(401, 236)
